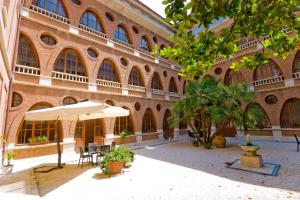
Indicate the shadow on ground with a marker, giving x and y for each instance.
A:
(212, 161)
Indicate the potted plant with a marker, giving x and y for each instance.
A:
(125, 133)
(9, 155)
(116, 159)
(195, 143)
(39, 140)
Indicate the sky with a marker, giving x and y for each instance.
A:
(155, 5)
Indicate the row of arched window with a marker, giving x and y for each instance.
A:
(269, 70)
(31, 129)
(69, 61)
(91, 20)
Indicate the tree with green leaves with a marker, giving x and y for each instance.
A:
(215, 104)
(264, 20)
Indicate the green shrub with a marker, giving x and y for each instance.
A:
(125, 133)
(38, 139)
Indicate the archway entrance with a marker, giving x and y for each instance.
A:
(168, 130)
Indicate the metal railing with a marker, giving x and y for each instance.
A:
(21, 69)
(296, 75)
(92, 31)
(136, 88)
(69, 77)
(106, 83)
(248, 45)
(49, 14)
(266, 81)
(156, 91)
(120, 42)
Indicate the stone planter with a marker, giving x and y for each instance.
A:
(250, 158)
(38, 143)
(250, 150)
(219, 141)
(195, 144)
(7, 169)
(115, 167)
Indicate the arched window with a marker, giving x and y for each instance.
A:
(54, 6)
(269, 70)
(233, 77)
(91, 20)
(32, 129)
(144, 44)
(135, 77)
(156, 83)
(290, 114)
(16, 99)
(148, 122)
(69, 61)
(172, 86)
(69, 101)
(121, 34)
(296, 68)
(92, 127)
(26, 53)
(107, 71)
(251, 112)
(123, 124)
(166, 124)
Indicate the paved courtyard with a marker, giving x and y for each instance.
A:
(167, 171)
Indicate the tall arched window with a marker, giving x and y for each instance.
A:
(135, 77)
(233, 77)
(269, 70)
(144, 44)
(166, 124)
(107, 71)
(156, 83)
(290, 114)
(172, 86)
(148, 122)
(250, 114)
(69, 101)
(296, 68)
(91, 20)
(69, 61)
(123, 124)
(26, 53)
(32, 129)
(54, 6)
(121, 34)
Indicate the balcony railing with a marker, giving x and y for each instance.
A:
(266, 81)
(92, 31)
(49, 14)
(156, 91)
(296, 75)
(248, 44)
(69, 77)
(174, 94)
(120, 42)
(21, 69)
(106, 83)
(137, 88)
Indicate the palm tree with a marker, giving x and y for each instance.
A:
(214, 103)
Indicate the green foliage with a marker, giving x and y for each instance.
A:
(117, 154)
(254, 18)
(38, 139)
(10, 155)
(125, 133)
(213, 103)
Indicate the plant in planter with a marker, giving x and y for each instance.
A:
(9, 156)
(38, 140)
(125, 133)
(116, 159)
(195, 143)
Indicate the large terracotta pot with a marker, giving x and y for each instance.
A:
(219, 141)
(115, 167)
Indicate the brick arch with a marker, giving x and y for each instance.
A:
(148, 40)
(233, 77)
(115, 68)
(141, 75)
(289, 118)
(127, 30)
(266, 120)
(175, 83)
(80, 57)
(296, 62)
(159, 79)
(154, 120)
(130, 120)
(37, 2)
(168, 131)
(30, 41)
(271, 61)
(98, 16)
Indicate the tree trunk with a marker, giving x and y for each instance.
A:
(203, 122)
(58, 146)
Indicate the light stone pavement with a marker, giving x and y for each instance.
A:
(167, 171)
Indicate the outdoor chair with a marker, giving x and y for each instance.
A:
(83, 156)
(298, 143)
(92, 150)
(102, 150)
